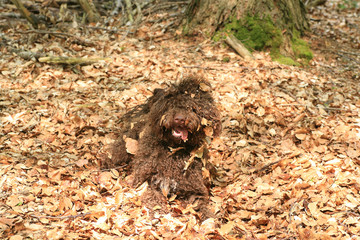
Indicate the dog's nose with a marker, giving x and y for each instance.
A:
(179, 119)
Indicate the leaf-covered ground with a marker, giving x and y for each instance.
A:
(288, 158)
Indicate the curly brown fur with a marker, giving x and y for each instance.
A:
(178, 118)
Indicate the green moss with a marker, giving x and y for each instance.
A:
(278, 57)
(285, 60)
(301, 48)
(218, 36)
(255, 33)
(262, 34)
(226, 59)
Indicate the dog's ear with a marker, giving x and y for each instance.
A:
(158, 91)
(157, 95)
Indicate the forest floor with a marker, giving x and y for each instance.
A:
(288, 156)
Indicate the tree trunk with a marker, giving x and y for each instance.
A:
(284, 21)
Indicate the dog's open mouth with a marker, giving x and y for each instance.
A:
(180, 133)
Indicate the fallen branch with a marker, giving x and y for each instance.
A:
(321, 107)
(238, 46)
(163, 7)
(118, 5)
(229, 68)
(9, 15)
(266, 167)
(139, 13)
(78, 40)
(28, 55)
(292, 208)
(62, 217)
(253, 171)
(70, 60)
(350, 53)
(89, 8)
(28, 15)
(113, 168)
(314, 3)
(129, 10)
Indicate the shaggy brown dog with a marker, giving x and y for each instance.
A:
(170, 130)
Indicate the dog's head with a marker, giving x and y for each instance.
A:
(184, 114)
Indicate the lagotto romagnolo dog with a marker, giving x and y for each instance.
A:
(170, 132)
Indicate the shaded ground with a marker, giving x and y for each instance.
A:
(288, 158)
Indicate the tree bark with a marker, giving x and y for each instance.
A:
(210, 15)
(287, 16)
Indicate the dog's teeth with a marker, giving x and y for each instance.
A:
(176, 133)
(180, 134)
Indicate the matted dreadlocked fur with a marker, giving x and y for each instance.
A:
(168, 128)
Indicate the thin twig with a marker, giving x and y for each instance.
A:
(46, 32)
(325, 108)
(56, 34)
(112, 30)
(227, 68)
(62, 217)
(350, 53)
(266, 166)
(118, 5)
(292, 207)
(108, 169)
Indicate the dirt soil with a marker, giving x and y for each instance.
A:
(287, 161)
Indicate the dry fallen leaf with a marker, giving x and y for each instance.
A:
(131, 145)
(226, 228)
(55, 119)
(209, 131)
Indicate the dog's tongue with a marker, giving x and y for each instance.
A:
(180, 133)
